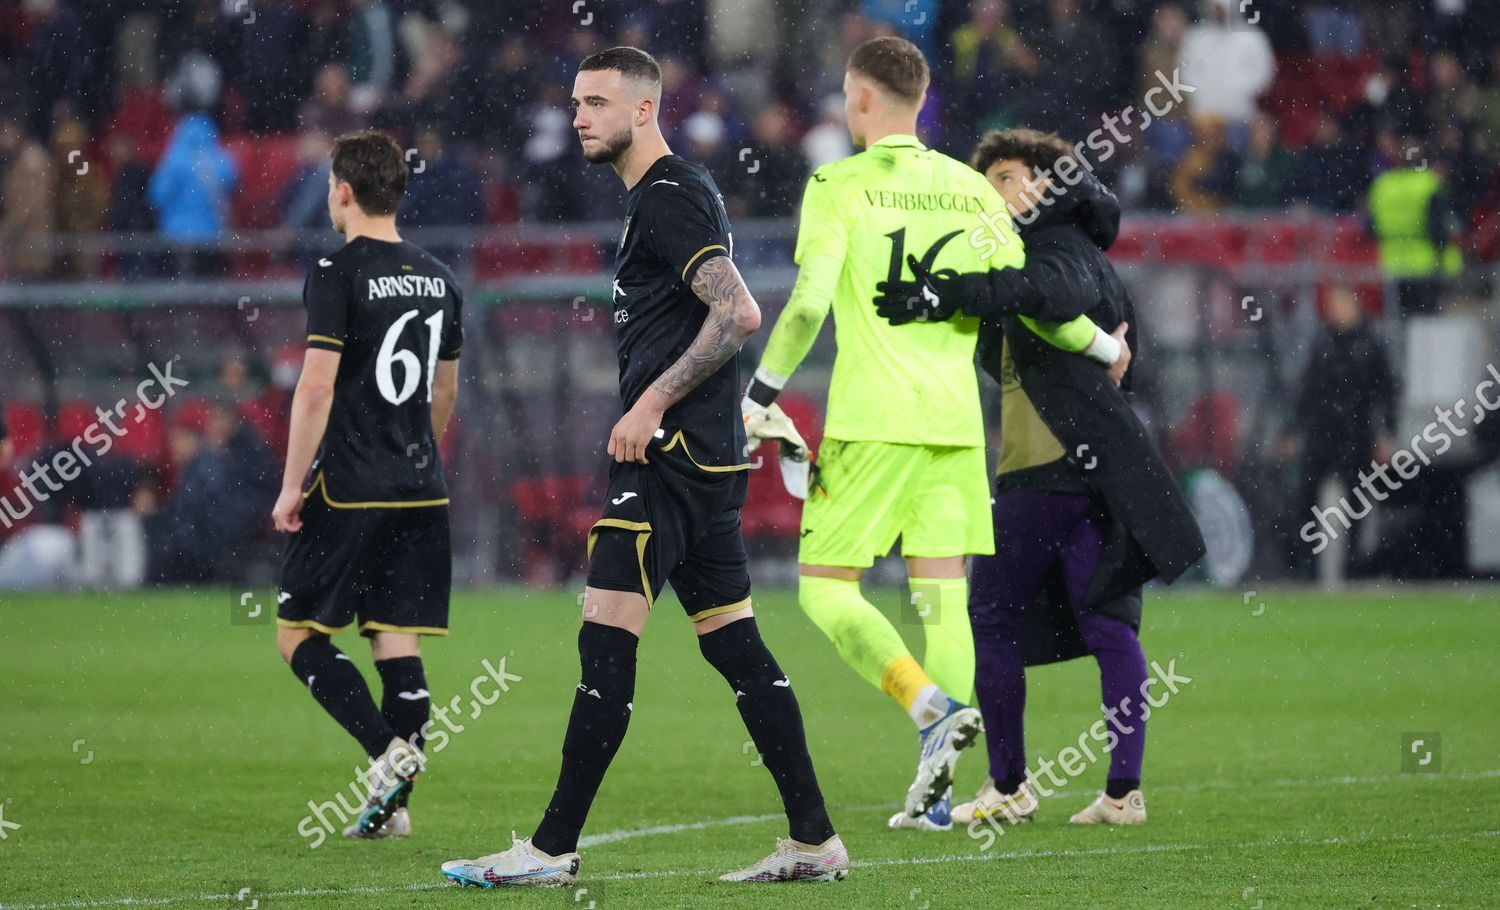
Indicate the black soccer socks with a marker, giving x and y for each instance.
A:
(770, 711)
(404, 700)
(1120, 787)
(601, 714)
(338, 686)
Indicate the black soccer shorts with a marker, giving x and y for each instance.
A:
(673, 521)
(390, 568)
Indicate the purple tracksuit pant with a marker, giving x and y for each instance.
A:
(1034, 531)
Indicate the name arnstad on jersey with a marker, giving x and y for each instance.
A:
(407, 286)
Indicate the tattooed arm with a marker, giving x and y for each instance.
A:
(733, 316)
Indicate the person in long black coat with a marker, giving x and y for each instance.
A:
(1086, 510)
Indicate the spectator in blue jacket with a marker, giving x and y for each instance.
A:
(192, 184)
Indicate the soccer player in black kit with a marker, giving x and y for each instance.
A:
(363, 493)
(676, 487)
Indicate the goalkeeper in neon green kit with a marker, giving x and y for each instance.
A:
(903, 451)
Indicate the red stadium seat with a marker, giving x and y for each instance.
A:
(144, 116)
(266, 164)
(1353, 245)
(75, 417)
(27, 424)
(1208, 434)
(146, 436)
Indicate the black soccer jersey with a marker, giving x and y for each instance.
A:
(393, 311)
(674, 222)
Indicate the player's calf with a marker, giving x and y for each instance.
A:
(763, 694)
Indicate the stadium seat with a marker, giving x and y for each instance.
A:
(144, 116)
(1353, 245)
(146, 440)
(266, 165)
(1207, 436)
(27, 424)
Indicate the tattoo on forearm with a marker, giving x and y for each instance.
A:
(719, 285)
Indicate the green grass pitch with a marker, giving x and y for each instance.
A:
(153, 752)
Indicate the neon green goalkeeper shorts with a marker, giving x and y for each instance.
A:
(865, 495)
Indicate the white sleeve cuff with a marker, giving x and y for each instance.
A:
(1104, 348)
(768, 378)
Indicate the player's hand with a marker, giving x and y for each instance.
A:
(1117, 370)
(287, 515)
(7, 452)
(755, 415)
(773, 423)
(930, 298)
(634, 432)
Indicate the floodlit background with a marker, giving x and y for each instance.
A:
(163, 182)
(1310, 235)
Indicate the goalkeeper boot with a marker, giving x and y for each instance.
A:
(939, 818)
(941, 742)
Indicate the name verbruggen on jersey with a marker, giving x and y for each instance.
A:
(924, 202)
(407, 286)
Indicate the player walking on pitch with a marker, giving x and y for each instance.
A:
(363, 493)
(676, 488)
(903, 454)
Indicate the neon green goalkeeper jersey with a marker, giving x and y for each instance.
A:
(861, 217)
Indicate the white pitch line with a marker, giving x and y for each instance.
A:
(614, 837)
(617, 836)
(858, 864)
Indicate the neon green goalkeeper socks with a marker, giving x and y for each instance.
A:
(942, 606)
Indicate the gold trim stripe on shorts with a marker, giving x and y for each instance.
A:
(713, 469)
(718, 611)
(321, 482)
(643, 534)
(310, 624)
(373, 626)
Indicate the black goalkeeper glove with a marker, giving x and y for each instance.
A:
(933, 296)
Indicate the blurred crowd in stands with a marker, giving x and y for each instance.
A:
(177, 496)
(192, 121)
(193, 117)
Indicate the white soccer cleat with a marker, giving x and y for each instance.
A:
(522, 865)
(389, 780)
(958, 730)
(1105, 811)
(398, 825)
(938, 818)
(795, 861)
(992, 805)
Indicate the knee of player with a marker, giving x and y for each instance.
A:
(389, 645)
(289, 640)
